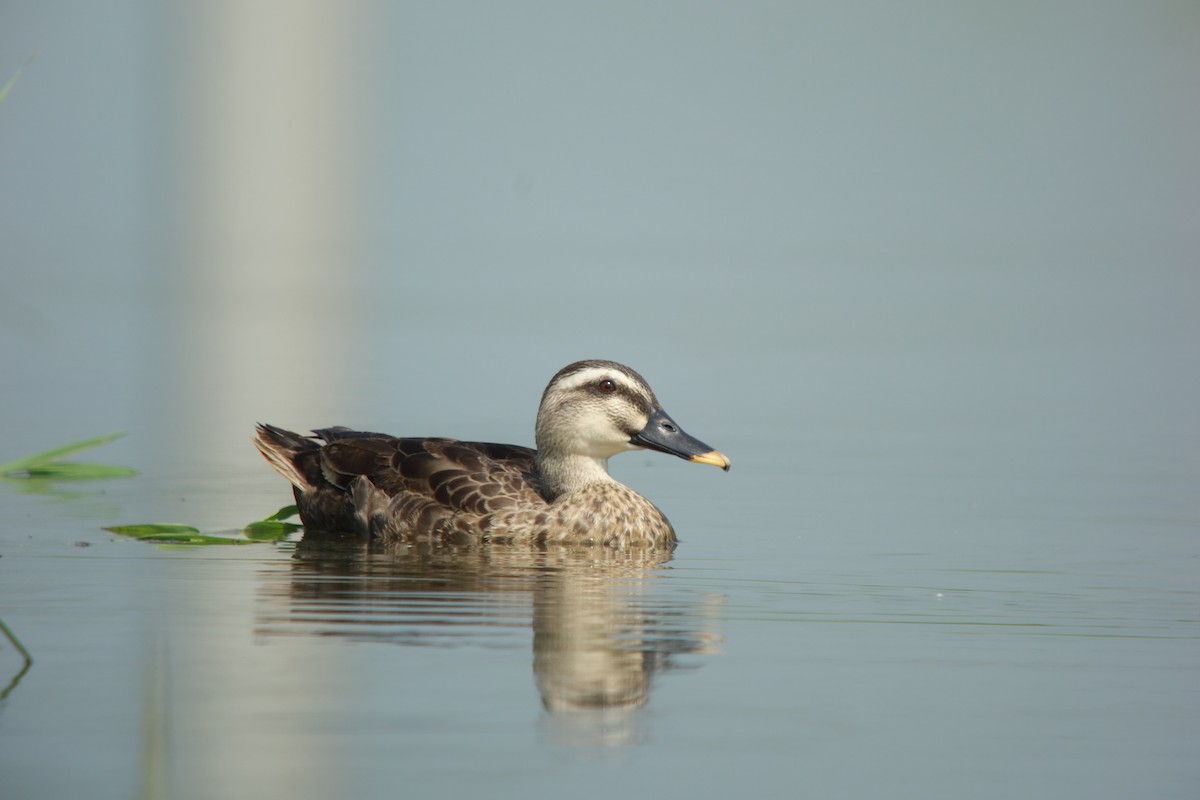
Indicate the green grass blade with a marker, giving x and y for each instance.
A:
(70, 471)
(45, 457)
(287, 512)
(13, 80)
(153, 529)
(28, 659)
(184, 538)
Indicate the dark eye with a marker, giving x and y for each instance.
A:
(606, 386)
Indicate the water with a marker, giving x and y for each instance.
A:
(929, 279)
(963, 626)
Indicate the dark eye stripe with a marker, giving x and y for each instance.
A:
(635, 399)
(610, 388)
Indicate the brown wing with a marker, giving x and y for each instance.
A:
(425, 485)
(371, 482)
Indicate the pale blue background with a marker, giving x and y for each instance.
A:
(927, 271)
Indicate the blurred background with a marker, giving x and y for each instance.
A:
(928, 272)
(408, 215)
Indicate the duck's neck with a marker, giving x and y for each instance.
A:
(562, 474)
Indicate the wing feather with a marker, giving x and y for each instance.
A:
(362, 480)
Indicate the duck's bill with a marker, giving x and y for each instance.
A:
(664, 435)
(714, 457)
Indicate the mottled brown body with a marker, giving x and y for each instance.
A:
(409, 488)
(448, 490)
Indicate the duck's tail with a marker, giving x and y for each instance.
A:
(284, 451)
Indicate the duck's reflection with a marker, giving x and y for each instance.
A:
(604, 621)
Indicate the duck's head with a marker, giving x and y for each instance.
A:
(600, 408)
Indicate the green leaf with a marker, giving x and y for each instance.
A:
(45, 457)
(185, 538)
(269, 530)
(171, 533)
(13, 80)
(71, 471)
(153, 529)
(287, 512)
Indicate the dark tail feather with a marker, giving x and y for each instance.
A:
(283, 450)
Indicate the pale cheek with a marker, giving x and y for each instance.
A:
(599, 438)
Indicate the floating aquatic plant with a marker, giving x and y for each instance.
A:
(274, 527)
(269, 529)
(46, 465)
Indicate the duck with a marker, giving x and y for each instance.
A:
(405, 489)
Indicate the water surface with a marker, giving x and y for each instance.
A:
(928, 630)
